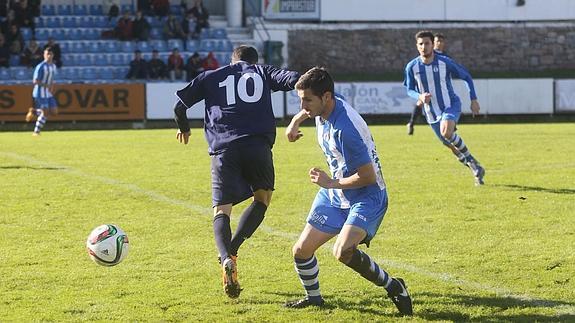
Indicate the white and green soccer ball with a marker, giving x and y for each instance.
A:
(107, 245)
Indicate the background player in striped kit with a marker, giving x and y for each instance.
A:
(44, 101)
(439, 44)
(351, 203)
(428, 79)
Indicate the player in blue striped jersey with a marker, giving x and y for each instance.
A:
(240, 128)
(351, 203)
(428, 78)
(439, 48)
(44, 102)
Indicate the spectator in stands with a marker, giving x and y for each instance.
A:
(157, 69)
(188, 25)
(35, 7)
(55, 50)
(111, 8)
(4, 52)
(210, 62)
(145, 6)
(193, 66)
(9, 21)
(173, 28)
(201, 16)
(176, 66)
(15, 40)
(24, 15)
(138, 67)
(161, 7)
(3, 8)
(141, 27)
(124, 28)
(32, 54)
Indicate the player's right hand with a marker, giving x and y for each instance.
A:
(183, 137)
(293, 133)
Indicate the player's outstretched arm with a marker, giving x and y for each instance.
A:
(292, 130)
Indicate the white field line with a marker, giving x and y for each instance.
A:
(560, 308)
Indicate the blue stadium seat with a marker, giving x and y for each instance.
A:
(75, 34)
(38, 22)
(175, 43)
(207, 45)
(192, 45)
(223, 45)
(121, 72)
(80, 10)
(144, 46)
(76, 47)
(91, 34)
(96, 10)
(205, 33)
(85, 22)
(42, 34)
(224, 58)
(14, 60)
(126, 7)
(58, 34)
(68, 22)
(89, 73)
(5, 74)
(156, 33)
(69, 59)
(26, 33)
(117, 59)
(48, 10)
(93, 47)
(51, 22)
(64, 9)
(100, 21)
(65, 46)
(128, 46)
(218, 33)
(107, 73)
(111, 46)
(101, 59)
(159, 45)
(21, 73)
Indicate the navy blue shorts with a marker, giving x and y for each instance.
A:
(239, 171)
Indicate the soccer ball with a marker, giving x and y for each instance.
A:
(107, 245)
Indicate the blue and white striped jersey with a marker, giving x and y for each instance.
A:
(436, 78)
(45, 73)
(347, 144)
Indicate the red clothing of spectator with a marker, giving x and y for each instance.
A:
(210, 62)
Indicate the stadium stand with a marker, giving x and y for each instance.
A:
(88, 57)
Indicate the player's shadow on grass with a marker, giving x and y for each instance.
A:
(31, 167)
(494, 308)
(362, 303)
(539, 189)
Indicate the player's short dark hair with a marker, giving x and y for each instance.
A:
(245, 53)
(317, 80)
(49, 49)
(424, 34)
(439, 35)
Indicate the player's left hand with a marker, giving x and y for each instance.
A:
(320, 178)
(183, 137)
(475, 107)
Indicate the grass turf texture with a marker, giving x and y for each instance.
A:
(502, 252)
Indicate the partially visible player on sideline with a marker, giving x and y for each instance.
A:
(351, 203)
(44, 102)
(428, 79)
(439, 44)
(240, 128)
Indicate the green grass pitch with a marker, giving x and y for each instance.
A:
(501, 252)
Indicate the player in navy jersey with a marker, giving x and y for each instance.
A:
(240, 129)
(44, 102)
(439, 44)
(351, 202)
(428, 78)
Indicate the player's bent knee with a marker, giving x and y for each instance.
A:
(343, 254)
(298, 251)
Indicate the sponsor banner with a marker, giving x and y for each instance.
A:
(366, 98)
(90, 102)
(565, 95)
(291, 9)
(161, 98)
